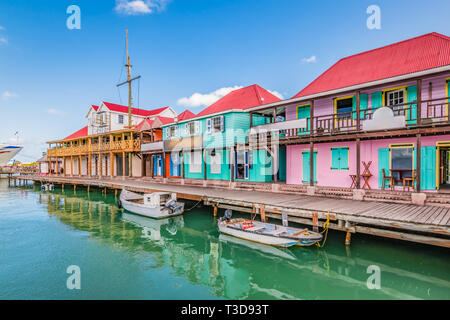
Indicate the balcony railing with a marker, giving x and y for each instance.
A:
(114, 146)
(432, 112)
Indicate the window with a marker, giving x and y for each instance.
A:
(120, 119)
(216, 163)
(339, 158)
(192, 128)
(195, 164)
(344, 108)
(395, 99)
(215, 124)
(401, 162)
(172, 132)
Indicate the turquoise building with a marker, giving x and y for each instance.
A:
(211, 145)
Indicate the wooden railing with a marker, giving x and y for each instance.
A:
(114, 146)
(432, 112)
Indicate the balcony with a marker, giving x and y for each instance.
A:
(115, 146)
(430, 113)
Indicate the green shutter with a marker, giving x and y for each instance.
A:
(377, 98)
(335, 155)
(363, 104)
(411, 93)
(344, 158)
(304, 112)
(428, 168)
(306, 167)
(383, 163)
(354, 108)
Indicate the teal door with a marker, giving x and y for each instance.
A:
(307, 167)
(304, 112)
(428, 168)
(411, 117)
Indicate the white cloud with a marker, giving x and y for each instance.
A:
(276, 94)
(311, 59)
(9, 95)
(3, 40)
(203, 100)
(140, 7)
(2, 28)
(55, 112)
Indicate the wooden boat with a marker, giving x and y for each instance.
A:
(268, 233)
(156, 205)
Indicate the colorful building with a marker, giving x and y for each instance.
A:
(213, 145)
(377, 119)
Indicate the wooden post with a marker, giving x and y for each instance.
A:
(89, 165)
(251, 119)
(71, 166)
(262, 213)
(315, 221)
(130, 156)
(419, 102)
(358, 163)
(311, 119)
(358, 108)
(111, 156)
(142, 164)
(88, 188)
(215, 210)
(274, 114)
(348, 238)
(123, 164)
(311, 163)
(418, 161)
(79, 165)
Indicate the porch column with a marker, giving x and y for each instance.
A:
(418, 162)
(311, 161)
(111, 156)
(204, 164)
(152, 166)
(123, 164)
(79, 166)
(142, 164)
(57, 166)
(311, 122)
(274, 114)
(358, 163)
(64, 166)
(130, 156)
(419, 102)
(358, 116)
(71, 166)
(182, 163)
(89, 160)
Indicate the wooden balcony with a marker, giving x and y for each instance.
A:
(426, 114)
(106, 147)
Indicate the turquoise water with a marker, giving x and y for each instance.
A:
(123, 256)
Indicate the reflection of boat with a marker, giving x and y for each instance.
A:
(151, 228)
(7, 152)
(258, 246)
(267, 233)
(154, 205)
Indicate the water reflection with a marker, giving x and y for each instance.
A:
(232, 268)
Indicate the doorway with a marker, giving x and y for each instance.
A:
(242, 166)
(444, 168)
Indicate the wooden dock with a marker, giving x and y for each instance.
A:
(422, 224)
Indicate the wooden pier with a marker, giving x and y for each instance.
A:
(426, 224)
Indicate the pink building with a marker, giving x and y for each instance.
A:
(375, 119)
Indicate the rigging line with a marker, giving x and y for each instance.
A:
(139, 88)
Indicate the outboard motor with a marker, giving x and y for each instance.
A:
(227, 215)
(174, 206)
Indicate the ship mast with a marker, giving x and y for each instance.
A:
(129, 80)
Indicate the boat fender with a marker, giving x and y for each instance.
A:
(119, 204)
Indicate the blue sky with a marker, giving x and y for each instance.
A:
(49, 75)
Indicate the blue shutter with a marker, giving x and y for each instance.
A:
(377, 99)
(428, 168)
(343, 155)
(354, 108)
(155, 166)
(411, 93)
(383, 163)
(335, 154)
(363, 103)
(208, 125)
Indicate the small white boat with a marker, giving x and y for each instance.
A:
(151, 228)
(48, 187)
(267, 233)
(156, 205)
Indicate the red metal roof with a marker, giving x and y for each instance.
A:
(94, 107)
(151, 122)
(185, 115)
(425, 52)
(243, 98)
(80, 133)
(134, 111)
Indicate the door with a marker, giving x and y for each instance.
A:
(157, 165)
(304, 112)
(242, 167)
(307, 167)
(119, 165)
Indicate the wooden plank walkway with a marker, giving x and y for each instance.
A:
(421, 223)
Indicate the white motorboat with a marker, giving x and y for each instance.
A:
(151, 228)
(267, 233)
(7, 152)
(156, 205)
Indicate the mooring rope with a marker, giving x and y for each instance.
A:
(194, 206)
(325, 230)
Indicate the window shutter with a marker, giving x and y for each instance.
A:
(250, 159)
(186, 129)
(377, 99)
(176, 132)
(383, 163)
(208, 125)
(428, 169)
(222, 123)
(343, 159)
(411, 93)
(362, 104)
(354, 108)
(335, 162)
(198, 125)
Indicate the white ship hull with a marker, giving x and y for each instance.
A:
(7, 152)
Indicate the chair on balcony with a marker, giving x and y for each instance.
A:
(410, 182)
(390, 180)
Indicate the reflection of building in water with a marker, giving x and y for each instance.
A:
(238, 269)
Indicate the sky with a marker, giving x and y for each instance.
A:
(188, 52)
